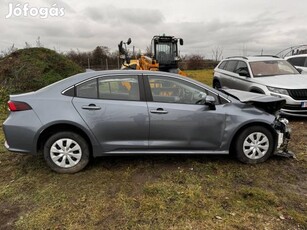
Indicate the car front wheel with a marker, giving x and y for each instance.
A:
(254, 145)
(66, 152)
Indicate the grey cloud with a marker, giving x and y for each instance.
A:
(60, 3)
(120, 16)
(101, 24)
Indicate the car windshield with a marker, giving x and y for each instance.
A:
(272, 68)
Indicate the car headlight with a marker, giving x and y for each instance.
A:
(278, 90)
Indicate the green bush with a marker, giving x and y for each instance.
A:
(4, 96)
(33, 68)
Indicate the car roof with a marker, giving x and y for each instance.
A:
(297, 55)
(61, 85)
(254, 58)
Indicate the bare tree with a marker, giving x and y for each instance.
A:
(217, 53)
(195, 61)
(148, 52)
(38, 42)
(27, 45)
(8, 51)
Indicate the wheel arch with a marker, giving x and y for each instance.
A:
(51, 129)
(256, 123)
(216, 79)
(256, 90)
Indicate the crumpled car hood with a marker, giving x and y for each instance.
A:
(270, 104)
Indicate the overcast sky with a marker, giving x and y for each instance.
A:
(237, 26)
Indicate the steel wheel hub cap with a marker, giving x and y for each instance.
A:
(256, 145)
(65, 153)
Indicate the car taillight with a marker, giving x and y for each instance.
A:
(18, 106)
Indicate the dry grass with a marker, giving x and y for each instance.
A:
(204, 76)
(157, 192)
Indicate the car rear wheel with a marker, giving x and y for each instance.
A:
(254, 145)
(66, 152)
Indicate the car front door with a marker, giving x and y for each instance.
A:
(114, 110)
(176, 121)
(242, 82)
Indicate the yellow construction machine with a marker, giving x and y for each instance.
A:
(165, 55)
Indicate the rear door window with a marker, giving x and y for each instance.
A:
(231, 65)
(110, 88)
(222, 65)
(119, 88)
(87, 89)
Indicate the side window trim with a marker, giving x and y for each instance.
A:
(142, 87)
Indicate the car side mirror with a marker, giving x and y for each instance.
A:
(181, 41)
(129, 41)
(208, 100)
(299, 70)
(243, 73)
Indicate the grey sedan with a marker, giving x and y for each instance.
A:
(141, 112)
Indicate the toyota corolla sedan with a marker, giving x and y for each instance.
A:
(141, 112)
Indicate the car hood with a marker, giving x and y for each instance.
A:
(293, 81)
(268, 103)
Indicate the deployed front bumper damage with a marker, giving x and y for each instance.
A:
(283, 137)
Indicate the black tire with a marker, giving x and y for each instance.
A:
(246, 140)
(216, 84)
(77, 152)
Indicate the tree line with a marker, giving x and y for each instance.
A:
(101, 58)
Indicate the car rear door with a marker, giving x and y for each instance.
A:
(229, 77)
(176, 121)
(115, 111)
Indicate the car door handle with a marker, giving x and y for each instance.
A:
(159, 111)
(91, 107)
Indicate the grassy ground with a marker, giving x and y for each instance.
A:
(158, 192)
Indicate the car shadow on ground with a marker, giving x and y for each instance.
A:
(27, 163)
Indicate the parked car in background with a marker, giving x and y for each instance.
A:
(299, 61)
(141, 112)
(268, 75)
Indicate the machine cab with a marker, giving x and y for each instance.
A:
(165, 51)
